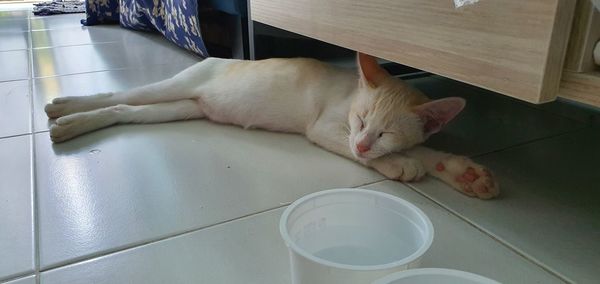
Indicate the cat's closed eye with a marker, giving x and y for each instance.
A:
(362, 123)
(385, 132)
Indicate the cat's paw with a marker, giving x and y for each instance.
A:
(60, 107)
(65, 128)
(468, 177)
(73, 125)
(401, 168)
(69, 105)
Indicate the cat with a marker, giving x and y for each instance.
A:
(368, 116)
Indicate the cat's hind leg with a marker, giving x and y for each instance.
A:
(67, 105)
(163, 91)
(75, 124)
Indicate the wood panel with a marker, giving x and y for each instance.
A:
(514, 47)
(581, 87)
(584, 35)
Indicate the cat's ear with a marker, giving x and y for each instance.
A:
(435, 114)
(371, 74)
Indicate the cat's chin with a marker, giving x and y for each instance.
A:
(364, 159)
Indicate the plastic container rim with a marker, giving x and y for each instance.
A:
(434, 271)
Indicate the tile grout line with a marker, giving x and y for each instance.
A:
(371, 182)
(110, 69)
(17, 277)
(34, 197)
(171, 236)
(24, 134)
(510, 247)
(547, 111)
(17, 135)
(31, 77)
(70, 45)
(148, 242)
(9, 50)
(582, 128)
(14, 80)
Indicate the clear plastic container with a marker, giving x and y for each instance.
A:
(353, 236)
(434, 276)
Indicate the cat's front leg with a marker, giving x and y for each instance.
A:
(459, 172)
(332, 135)
(398, 167)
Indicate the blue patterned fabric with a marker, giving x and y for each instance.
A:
(101, 12)
(177, 20)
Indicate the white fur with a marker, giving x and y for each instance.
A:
(302, 96)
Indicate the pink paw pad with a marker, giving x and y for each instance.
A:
(467, 177)
(470, 174)
(440, 167)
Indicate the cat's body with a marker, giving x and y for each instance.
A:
(369, 117)
(253, 100)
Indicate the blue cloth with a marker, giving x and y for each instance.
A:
(101, 12)
(177, 20)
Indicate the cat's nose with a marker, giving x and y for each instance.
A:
(362, 148)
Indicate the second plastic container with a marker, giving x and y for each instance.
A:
(434, 276)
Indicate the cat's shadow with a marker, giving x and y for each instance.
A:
(92, 141)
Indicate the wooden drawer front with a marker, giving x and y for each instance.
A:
(514, 47)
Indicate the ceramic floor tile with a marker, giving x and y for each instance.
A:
(246, 251)
(14, 41)
(16, 221)
(99, 57)
(250, 250)
(15, 65)
(46, 89)
(56, 22)
(24, 280)
(548, 208)
(9, 8)
(14, 14)
(583, 113)
(15, 108)
(490, 121)
(458, 245)
(13, 25)
(130, 184)
(89, 35)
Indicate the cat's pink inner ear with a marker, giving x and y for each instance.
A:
(437, 113)
(370, 72)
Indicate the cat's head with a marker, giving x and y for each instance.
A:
(388, 115)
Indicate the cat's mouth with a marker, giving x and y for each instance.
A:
(369, 155)
(365, 156)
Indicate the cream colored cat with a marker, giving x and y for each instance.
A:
(370, 117)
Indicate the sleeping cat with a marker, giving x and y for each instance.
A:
(370, 117)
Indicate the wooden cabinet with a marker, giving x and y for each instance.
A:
(513, 47)
(581, 78)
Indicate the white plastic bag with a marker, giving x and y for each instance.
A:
(596, 3)
(460, 3)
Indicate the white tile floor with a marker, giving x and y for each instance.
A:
(196, 202)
